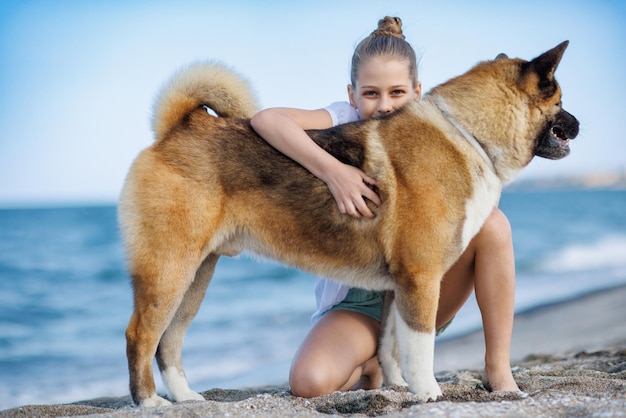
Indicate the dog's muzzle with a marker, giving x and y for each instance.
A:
(553, 142)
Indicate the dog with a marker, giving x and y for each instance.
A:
(210, 186)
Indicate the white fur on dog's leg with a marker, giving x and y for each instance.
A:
(417, 355)
(388, 351)
(177, 386)
(154, 401)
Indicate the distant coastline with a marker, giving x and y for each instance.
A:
(608, 180)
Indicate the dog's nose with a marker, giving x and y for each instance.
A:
(569, 124)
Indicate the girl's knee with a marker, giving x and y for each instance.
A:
(497, 227)
(308, 382)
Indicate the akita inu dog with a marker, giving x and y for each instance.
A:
(210, 186)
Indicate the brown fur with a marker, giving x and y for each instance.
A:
(209, 186)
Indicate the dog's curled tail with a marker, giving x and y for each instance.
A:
(204, 83)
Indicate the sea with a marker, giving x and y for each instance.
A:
(65, 296)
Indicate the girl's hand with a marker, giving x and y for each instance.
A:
(349, 187)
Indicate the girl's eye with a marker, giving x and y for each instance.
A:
(397, 92)
(369, 93)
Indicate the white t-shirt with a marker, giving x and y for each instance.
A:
(329, 293)
(342, 112)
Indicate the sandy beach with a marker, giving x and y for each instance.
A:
(568, 358)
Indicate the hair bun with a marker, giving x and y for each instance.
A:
(389, 26)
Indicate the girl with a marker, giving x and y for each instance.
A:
(339, 353)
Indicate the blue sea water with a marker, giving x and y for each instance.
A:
(65, 297)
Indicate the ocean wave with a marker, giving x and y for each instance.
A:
(606, 253)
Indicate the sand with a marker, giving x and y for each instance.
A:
(569, 359)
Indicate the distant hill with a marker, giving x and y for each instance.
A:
(615, 180)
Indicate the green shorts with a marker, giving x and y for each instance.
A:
(370, 303)
(367, 302)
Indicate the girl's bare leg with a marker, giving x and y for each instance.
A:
(495, 294)
(339, 353)
(488, 267)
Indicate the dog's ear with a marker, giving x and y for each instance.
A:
(502, 56)
(546, 63)
(544, 67)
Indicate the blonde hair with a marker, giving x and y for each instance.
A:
(386, 41)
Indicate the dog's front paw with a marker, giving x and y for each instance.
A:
(426, 390)
(153, 401)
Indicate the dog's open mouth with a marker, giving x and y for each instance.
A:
(558, 134)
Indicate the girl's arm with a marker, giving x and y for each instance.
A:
(284, 129)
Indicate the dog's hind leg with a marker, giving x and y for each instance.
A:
(159, 289)
(169, 351)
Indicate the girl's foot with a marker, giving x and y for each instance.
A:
(372, 377)
(496, 381)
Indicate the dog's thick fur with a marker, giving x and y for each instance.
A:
(209, 186)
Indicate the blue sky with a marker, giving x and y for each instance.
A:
(78, 78)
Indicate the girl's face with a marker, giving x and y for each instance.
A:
(382, 86)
